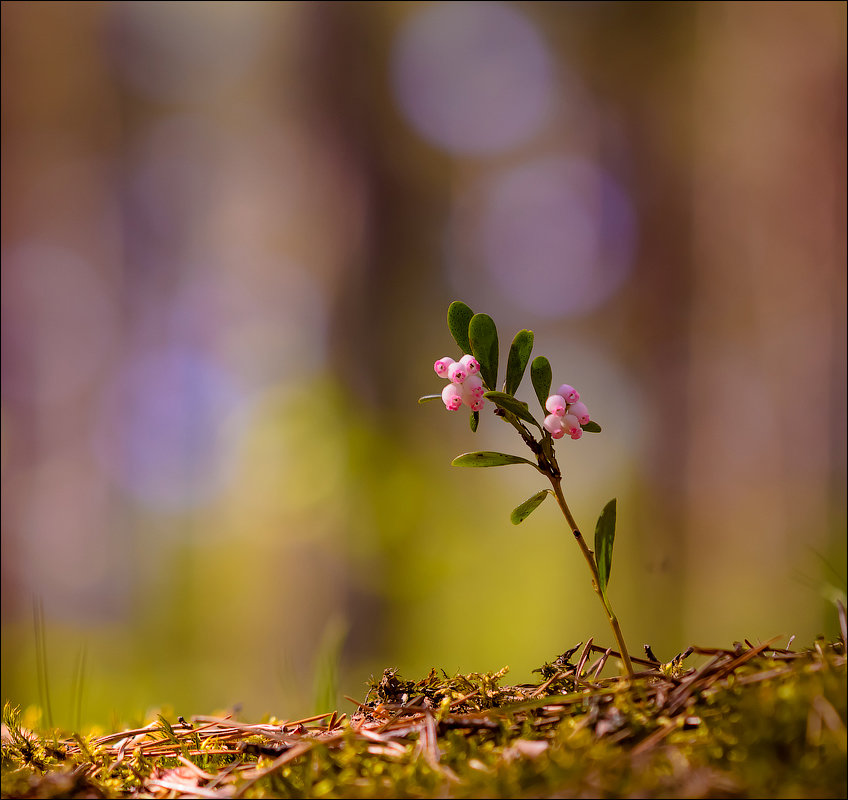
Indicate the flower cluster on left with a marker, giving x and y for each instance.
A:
(464, 382)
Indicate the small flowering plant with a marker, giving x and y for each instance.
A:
(472, 380)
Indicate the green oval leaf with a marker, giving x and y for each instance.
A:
(591, 427)
(516, 363)
(474, 421)
(459, 316)
(428, 397)
(541, 376)
(523, 511)
(483, 336)
(508, 402)
(489, 458)
(604, 538)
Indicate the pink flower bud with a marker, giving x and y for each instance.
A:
(472, 392)
(570, 394)
(580, 411)
(553, 425)
(452, 397)
(472, 367)
(474, 386)
(571, 424)
(577, 434)
(457, 372)
(441, 366)
(556, 404)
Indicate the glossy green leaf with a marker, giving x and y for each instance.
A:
(541, 376)
(591, 427)
(428, 397)
(483, 336)
(459, 317)
(489, 458)
(474, 421)
(523, 511)
(508, 402)
(516, 363)
(604, 538)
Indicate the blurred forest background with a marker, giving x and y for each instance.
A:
(230, 234)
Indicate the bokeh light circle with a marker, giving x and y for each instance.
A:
(473, 77)
(554, 236)
(168, 428)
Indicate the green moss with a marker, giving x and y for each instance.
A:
(747, 722)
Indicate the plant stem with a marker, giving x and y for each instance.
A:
(548, 466)
(556, 482)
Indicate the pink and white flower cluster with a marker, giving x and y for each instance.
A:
(465, 384)
(565, 413)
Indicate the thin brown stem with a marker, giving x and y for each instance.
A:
(556, 482)
(548, 466)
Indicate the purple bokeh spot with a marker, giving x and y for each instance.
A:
(473, 77)
(166, 432)
(557, 236)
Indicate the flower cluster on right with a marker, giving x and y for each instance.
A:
(565, 413)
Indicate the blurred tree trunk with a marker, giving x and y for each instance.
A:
(767, 375)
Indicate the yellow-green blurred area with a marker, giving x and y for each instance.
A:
(230, 235)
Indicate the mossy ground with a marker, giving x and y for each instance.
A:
(752, 721)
